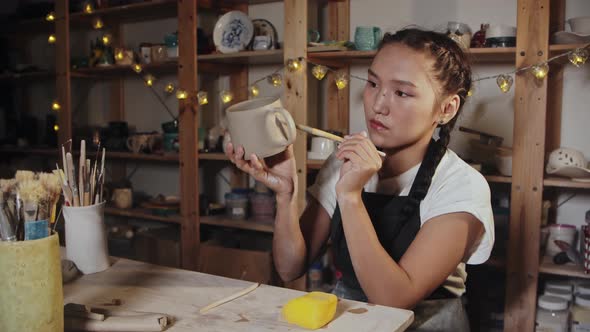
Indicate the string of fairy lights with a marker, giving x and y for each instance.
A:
(576, 57)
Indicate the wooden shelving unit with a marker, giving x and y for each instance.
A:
(568, 270)
(17, 77)
(248, 224)
(478, 55)
(244, 58)
(144, 214)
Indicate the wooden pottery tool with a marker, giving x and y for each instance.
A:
(229, 298)
(321, 133)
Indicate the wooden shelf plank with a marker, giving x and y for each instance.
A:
(212, 156)
(315, 163)
(247, 224)
(244, 58)
(141, 214)
(18, 77)
(116, 70)
(131, 12)
(498, 178)
(561, 48)
(478, 55)
(569, 270)
(554, 181)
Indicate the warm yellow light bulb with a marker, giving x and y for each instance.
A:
(275, 79)
(119, 55)
(578, 57)
(254, 90)
(504, 82)
(181, 94)
(88, 8)
(226, 96)
(169, 88)
(51, 39)
(341, 81)
(319, 72)
(149, 80)
(107, 39)
(470, 93)
(55, 106)
(55, 127)
(293, 65)
(97, 23)
(202, 98)
(540, 71)
(50, 17)
(137, 68)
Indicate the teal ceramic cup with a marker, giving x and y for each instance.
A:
(171, 142)
(367, 38)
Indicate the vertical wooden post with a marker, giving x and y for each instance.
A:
(527, 179)
(62, 70)
(238, 82)
(338, 100)
(555, 83)
(296, 92)
(188, 134)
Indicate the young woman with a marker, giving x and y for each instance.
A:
(401, 227)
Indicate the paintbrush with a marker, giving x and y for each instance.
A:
(72, 182)
(36, 209)
(102, 176)
(6, 226)
(64, 163)
(321, 133)
(51, 183)
(67, 192)
(82, 170)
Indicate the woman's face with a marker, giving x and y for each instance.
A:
(399, 98)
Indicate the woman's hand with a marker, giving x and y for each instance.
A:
(276, 172)
(361, 162)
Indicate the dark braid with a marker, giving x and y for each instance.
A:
(452, 71)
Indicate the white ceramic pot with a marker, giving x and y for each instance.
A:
(504, 165)
(580, 25)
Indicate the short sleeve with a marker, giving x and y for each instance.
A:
(463, 190)
(324, 188)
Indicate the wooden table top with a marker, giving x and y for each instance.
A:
(181, 293)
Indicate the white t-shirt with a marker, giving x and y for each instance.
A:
(455, 187)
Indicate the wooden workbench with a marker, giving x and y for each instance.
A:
(181, 293)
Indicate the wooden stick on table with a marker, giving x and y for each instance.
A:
(229, 298)
(321, 133)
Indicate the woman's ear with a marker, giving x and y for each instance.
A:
(449, 109)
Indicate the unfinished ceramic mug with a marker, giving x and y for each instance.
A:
(262, 126)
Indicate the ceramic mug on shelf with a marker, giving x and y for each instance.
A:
(367, 38)
(122, 198)
(262, 126)
(322, 146)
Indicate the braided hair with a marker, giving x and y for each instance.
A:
(452, 70)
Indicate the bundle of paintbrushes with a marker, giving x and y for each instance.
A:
(82, 186)
(27, 205)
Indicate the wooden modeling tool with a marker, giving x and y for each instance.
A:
(72, 181)
(229, 298)
(321, 133)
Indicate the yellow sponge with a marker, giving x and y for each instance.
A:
(312, 310)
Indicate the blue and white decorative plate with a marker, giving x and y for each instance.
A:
(233, 32)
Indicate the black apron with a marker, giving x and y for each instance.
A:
(395, 234)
